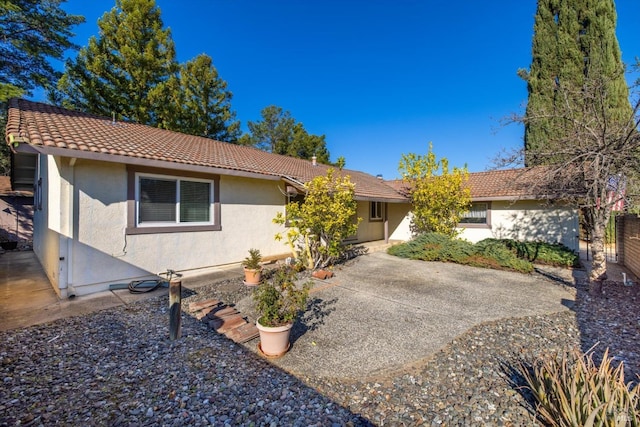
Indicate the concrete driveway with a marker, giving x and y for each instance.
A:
(380, 313)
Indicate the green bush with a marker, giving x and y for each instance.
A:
(502, 255)
(433, 247)
(538, 252)
(439, 247)
(574, 391)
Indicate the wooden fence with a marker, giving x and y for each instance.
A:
(628, 239)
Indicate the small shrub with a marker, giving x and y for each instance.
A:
(573, 391)
(502, 254)
(536, 252)
(546, 253)
(279, 299)
(489, 253)
(433, 247)
(252, 262)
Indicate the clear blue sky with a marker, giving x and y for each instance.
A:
(379, 78)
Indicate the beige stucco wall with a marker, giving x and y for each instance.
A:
(399, 221)
(368, 230)
(46, 221)
(521, 220)
(98, 252)
(529, 221)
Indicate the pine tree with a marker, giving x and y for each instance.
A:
(574, 41)
(279, 133)
(274, 130)
(31, 33)
(124, 70)
(199, 102)
(305, 146)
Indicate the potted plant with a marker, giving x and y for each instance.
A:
(278, 302)
(252, 268)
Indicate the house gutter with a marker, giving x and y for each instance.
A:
(358, 197)
(511, 198)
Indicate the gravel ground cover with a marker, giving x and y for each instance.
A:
(117, 367)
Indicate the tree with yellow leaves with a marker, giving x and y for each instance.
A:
(439, 196)
(319, 224)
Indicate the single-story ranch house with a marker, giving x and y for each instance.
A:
(119, 201)
(504, 205)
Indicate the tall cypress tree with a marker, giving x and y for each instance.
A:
(574, 41)
(602, 54)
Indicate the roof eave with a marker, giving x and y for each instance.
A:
(380, 199)
(140, 161)
(512, 198)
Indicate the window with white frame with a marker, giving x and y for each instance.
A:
(375, 211)
(172, 201)
(477, 214)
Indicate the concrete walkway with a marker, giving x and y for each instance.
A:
(381, 313)
(27, 297)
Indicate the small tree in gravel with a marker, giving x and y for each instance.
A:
(319, 224)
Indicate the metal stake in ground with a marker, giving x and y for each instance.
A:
(175, 296)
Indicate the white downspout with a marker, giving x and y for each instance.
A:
(71, 290)
(67, 290)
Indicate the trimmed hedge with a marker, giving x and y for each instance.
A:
(501, 254)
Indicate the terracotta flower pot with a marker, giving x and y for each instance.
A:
(274, 341)
(252, 277)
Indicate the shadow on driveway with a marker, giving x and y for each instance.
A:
(380, 313)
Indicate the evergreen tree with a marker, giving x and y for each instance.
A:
(279, 133)
(32, 32)
(579, 124)
(305, 145)
(574, 41)
(274, 130)
(199, 102)
(124, 70)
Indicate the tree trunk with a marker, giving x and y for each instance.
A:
(599, 260)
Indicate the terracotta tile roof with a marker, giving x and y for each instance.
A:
(46, 126)
(508, 184)
(504, 184)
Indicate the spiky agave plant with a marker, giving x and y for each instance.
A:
(573, 390)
